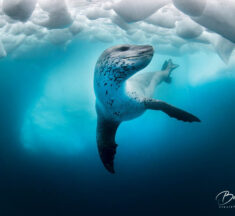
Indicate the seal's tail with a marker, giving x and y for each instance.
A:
(169, 66)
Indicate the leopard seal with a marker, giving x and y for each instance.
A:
(122, 95)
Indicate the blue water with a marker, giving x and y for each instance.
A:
(49, 162)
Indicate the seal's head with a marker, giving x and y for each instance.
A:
(124, 60)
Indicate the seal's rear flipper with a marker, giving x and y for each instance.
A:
(170, 110)
(168, 66)
(106, 131)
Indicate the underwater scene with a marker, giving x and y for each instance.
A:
(117, 107)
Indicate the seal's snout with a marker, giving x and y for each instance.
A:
(146, 50)
(142, 56)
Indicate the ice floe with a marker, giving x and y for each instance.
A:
(175, 26)
(18, 9)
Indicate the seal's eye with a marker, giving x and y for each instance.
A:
(124, 48)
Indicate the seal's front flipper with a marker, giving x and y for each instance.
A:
(105, 136)
(170, 110)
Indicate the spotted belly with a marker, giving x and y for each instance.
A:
(120, 107)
